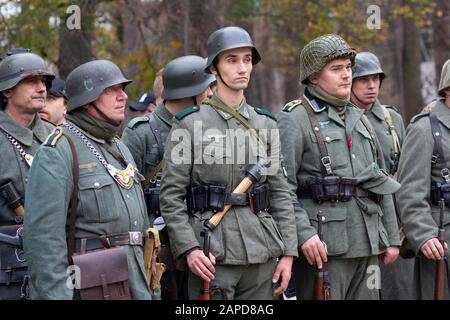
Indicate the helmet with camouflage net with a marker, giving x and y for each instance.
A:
(86, 82)
(319, 51)
(366, 63)
(185, 77)
(444, 83)
(16, 67)
(229, 38)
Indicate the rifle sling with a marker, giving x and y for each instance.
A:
(152, 173)
(222, 107)
(392, 130)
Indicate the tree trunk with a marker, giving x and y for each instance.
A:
(411, 70)
(75, 45)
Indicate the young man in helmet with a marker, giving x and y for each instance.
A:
(396, 278)
(185, 85)
(385, 119)
(334, 168)
(424, 172)
(109, 210)
(24, 80)
(218, 145)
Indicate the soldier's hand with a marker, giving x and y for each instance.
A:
(284, 269)
(390, 255)
(432, 249)
(200, 265)
(315, 251)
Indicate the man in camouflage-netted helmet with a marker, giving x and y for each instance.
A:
(24, 80)
(329, 147)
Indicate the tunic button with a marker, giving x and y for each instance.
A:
(327, 139)
(128, 196)
(96, 184)
(353, 156)
(135, 223)
(316, 128)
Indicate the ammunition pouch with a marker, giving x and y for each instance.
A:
(13, 266)
(438, 191)
(329, 188)
(151, 194)
(335, 189)
(259, 198)
(214, 198)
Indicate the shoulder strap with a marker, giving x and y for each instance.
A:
(438, 150)
(221, 106)
(375, 146)
(266, 113)
(73, 201)
(325, 159)
(157, 133)
(395, 139)
(392, 130)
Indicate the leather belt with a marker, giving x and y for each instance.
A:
(132, 238)
(307, 194)
(237, 199)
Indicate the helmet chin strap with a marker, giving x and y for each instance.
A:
(194, 98)
(104, 115)
(220, 76)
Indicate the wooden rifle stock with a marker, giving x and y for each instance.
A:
(439, 280)
(322, 288)
(205, 292)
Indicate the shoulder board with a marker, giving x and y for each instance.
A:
(265, 113)
(420, 115)
(53, 137)
(291, 105)
(391, 107)
(137, 120)
(180, 115)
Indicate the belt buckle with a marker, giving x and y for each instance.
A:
(135, 238)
